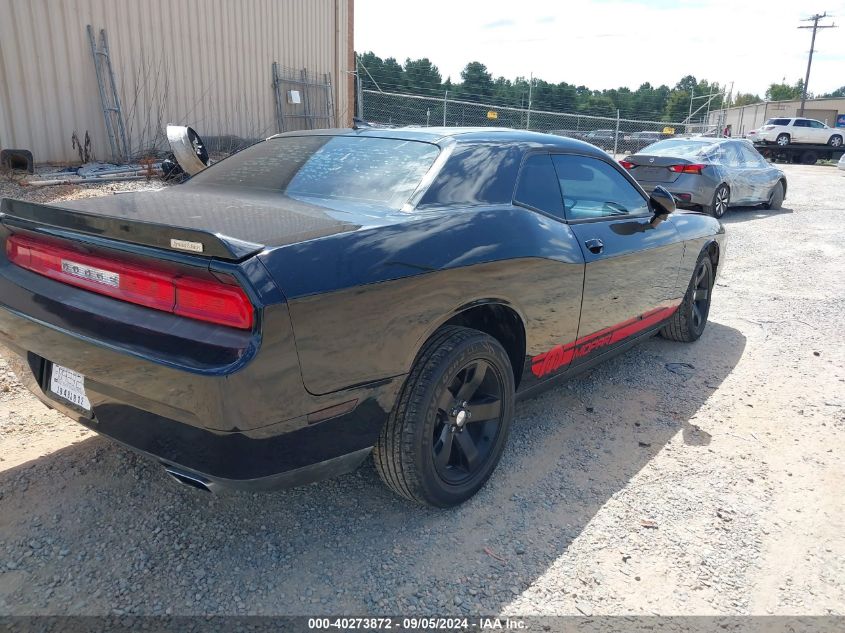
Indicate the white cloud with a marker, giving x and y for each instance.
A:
(611, 43)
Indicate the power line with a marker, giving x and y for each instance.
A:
(815, 20)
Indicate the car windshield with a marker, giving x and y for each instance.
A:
(330, 170)
(678, 147)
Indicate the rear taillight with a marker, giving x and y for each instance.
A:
(686, 169)
(626, 164)
(768, 127)
(192, 297)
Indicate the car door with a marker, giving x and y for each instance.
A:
(756, 173)
(734, 171)
(556, 290)
(818, 132)
(631, 265)
(801, 131)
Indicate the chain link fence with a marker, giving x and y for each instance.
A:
(612, 134)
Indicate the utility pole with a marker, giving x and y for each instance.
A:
(530, 88)
(691, 99)
(815, 20)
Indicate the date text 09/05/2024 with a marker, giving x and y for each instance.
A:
(417, 623)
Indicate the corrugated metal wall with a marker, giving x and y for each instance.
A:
(204, 63)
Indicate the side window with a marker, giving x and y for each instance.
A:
(475, 174)
(538, 185)
(816, 124)
(593, 189)
(750, 156)
(802, 123)
(731, 156)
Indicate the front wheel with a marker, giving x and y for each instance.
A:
(687, 324)
(448, 430)
(835, 141)
(721, 201)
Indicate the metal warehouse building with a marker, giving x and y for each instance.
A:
(204, 63)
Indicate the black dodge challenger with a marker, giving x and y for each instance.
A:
(324, 295)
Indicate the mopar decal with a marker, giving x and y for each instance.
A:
(561, 355)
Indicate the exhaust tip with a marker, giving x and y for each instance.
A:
(188, 479)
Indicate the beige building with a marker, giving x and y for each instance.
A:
(203, 63)
(750, 117)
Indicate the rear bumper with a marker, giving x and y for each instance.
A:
(239, 417)
(687, 194)
(763, 137)
(286, 454)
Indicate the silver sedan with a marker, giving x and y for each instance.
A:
(709, 174)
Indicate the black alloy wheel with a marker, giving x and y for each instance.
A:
(469, 420)
(702, 282)
(689, 320)
(448, 429)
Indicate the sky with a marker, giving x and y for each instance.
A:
(612, 43)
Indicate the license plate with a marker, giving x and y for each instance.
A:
(70, 385)
(652, 173)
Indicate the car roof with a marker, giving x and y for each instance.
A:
(460, 135)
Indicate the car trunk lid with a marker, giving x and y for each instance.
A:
(646, 168)
(209, 221)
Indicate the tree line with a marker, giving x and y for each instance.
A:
(661, 103)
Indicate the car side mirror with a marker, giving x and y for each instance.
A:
(662, 203)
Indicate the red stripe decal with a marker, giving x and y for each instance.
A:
(561, 355)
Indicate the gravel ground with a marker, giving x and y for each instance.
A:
(674, 479)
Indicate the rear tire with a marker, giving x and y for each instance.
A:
(776, 198)
(721, 201)
(783, 140)
(835, 141)
(690, 319)
(450, 424)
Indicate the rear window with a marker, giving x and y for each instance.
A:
(778, 122)
(677, 147)
(372, 172)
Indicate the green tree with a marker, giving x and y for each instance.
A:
(422, 76)
(377, 73)
(677, 105)
(649, 103)
(370, 66)
(476, 82)
(687, 84)
(598, 104)
(785, 92)
(839, 92)
(747, 98)
(392, 76)
(504, 92)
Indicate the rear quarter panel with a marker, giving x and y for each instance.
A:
(363, 303)
(698, 231)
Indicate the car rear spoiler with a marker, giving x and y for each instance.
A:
(31, 215)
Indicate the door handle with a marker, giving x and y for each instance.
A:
(595, 246)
